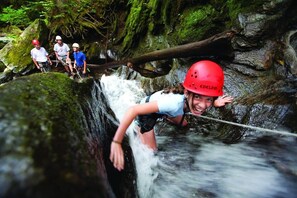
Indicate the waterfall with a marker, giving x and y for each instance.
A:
(122, 94)
(191, 165)
(96, 121)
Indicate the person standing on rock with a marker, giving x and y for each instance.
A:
(40, 57)
(62, 52)
(80, 60)
(201, 89)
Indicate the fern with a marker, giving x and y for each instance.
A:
(17, 17)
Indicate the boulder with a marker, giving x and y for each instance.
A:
(16, 53)
(51, 144)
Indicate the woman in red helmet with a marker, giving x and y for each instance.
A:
(201, 88)
(40, 57)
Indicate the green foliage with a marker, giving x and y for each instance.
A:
(76, 17)
(44, 9)
(16, 17)
(73, 18)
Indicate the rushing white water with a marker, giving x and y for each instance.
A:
(188, 165)
(196, 168)
(122, 94)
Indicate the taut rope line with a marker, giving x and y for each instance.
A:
(246, 126)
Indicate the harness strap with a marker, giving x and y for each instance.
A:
(147, 99)
(182, 120)
(184, 115)
(156, 115)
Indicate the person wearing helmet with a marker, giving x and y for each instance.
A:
(202, 88)
(62, 51)
(40, 57)
(80, 60)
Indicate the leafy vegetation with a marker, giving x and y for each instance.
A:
(128, 22)
(71, 18)
(17, 17)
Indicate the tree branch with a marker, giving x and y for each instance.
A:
(217, 45)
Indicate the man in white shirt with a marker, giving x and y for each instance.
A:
(40, 57)
(62, 54)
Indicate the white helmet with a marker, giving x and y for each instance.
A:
(58, 38)
(75, 45)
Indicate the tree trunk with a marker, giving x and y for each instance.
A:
(217, 45)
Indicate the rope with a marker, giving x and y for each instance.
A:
(246, 126)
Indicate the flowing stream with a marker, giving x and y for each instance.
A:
(191, 165)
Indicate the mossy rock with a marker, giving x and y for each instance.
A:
(197, 23)
(16, 54)
(43, 141)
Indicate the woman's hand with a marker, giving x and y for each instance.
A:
(116, 151)
(117, 155)
(222, 101)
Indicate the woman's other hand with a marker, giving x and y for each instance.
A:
(222, 101)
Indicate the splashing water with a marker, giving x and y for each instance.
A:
(188, 165)
(122, 94)
(193, 168)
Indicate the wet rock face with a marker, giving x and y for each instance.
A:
(48, 148)
(2, 66)
(4, 41)
(261, 76)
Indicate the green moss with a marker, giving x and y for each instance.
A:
(163, 15)
(16, 54)
(136, 24)
(43, 103)
(11, 31)
(154, 16)
(42, 123)
(196, 23)
(241, 6)
(19, 55)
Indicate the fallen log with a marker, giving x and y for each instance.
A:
(217, 45)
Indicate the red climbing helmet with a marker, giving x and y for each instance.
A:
(35, 42)
(206, 78)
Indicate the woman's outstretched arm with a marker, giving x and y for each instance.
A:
(116, 151)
